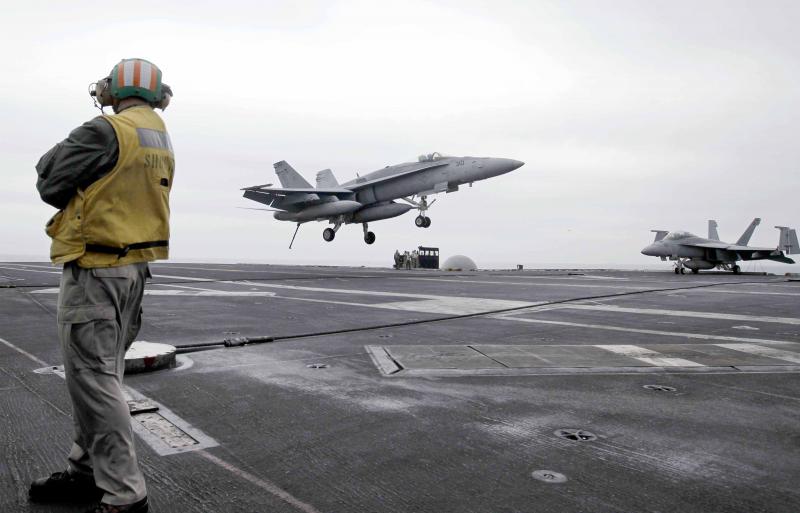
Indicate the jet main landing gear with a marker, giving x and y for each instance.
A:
(330, 233)
(422, 221)
(369, 237)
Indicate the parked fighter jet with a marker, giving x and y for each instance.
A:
(371, 197)
(693, 252)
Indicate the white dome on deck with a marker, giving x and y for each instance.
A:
(459, 263)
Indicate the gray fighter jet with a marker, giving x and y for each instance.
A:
(696, 253)
(371, 197)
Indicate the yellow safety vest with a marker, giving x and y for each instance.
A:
(123, 217)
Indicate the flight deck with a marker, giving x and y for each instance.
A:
(343, 390)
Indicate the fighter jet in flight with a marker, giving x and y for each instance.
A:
(696, 253)
(371, 197)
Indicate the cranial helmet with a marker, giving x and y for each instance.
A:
(133, 77)
(136, 77)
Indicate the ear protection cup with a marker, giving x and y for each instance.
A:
(166, 95)
(101, 92)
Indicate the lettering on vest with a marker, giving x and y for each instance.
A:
(156, 161)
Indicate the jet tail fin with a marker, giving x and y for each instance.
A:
(289, 177)
(712, 230)
(325, 179)
(745, 238)
(787, 241)
(660, 234)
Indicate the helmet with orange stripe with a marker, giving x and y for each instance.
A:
(133, 78)
(136, 77)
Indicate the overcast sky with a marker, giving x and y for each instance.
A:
(629, 115)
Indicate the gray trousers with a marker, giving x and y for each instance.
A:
(99, 315)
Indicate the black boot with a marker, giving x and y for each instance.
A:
(65, 487)
(137, 507)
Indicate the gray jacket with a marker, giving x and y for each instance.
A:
(86, 155)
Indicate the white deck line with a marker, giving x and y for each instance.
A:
(29, 270)
(23, 352)
(532, 283)
(751, 292)
(700, 336)
(649, 356)
(769, 352)
(684, 313)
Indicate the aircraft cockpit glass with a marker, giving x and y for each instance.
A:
(679, 235)
(431, 157)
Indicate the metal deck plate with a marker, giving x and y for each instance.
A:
(423, 359)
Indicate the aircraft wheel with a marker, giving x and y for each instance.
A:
(328, 234)
(683, 271)
(419, 221)
(369, 237)
(676, 270)
(737, 269)
(695, 271)
(427, 222)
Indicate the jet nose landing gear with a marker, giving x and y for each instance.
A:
(422, 221)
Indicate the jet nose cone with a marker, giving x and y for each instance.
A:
(649, 250)
(508, 165)
(503, 166)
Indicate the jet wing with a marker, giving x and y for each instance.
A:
(746, 252)
(709, 245)
(294, 198)
(734, 247)
(360, 183)
(291, 190)
(729, 247)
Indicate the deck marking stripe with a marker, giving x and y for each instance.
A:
(685, 313)
(425, 303)
(529, 284)
(261, 483)
(769, 352)
(187, 278)
(24, 353)
(29, 270)
(701, 336)
(34, 392)
(648, 356)
(717, 291)
(22, 264)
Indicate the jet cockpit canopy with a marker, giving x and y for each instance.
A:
(679, 235)
(432, 157)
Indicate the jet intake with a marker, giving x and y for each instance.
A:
(384, 211)
(699, 264)
(322, 211)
